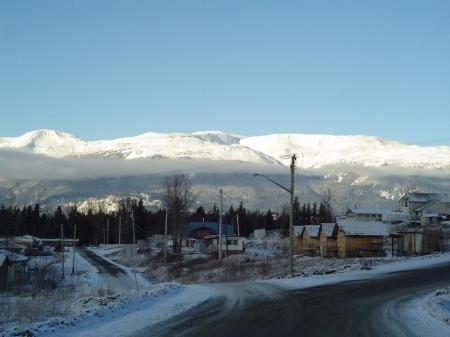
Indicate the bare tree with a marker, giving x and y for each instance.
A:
(178, 198)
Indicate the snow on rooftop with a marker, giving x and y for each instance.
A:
(370, 210)
(424, 197)
(298, 230)
(375, 228)
(328, 228)
(313, 230)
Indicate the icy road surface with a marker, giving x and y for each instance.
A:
(381, 306)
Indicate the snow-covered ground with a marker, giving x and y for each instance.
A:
(364, 271)
(428, 315)
(437, 304)
(94, 308)
(119, 314)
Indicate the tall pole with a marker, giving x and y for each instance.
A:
(237, 222)
(291, 215)
(74, 244)
(120, 226)
(134, 247)
(107, 230)
(62, 249)
(220, 226)
(165, 239)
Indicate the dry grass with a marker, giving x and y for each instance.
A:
(206, 269)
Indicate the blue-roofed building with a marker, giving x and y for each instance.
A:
(199, 230)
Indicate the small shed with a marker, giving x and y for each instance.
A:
(361, 239)
(328, 239)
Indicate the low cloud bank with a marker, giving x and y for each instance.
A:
(22, 165)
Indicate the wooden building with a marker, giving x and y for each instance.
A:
(310, 240)
(328, 239)
(298, 245)
(4, 267)
(420, 241)
(360, 239)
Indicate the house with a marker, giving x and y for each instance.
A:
(360, 239)
(395, 217)
(16, 267)
(433, 207)
(310, 240)
(366, 214)
(328, 239)
(431, 219)
(298, 246)
(199, 230)
(230, 244)
(410, 202)
(420, 241)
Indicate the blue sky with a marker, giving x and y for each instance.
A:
(105, 69)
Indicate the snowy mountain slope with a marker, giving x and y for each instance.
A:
(213, 145)
(318, 150)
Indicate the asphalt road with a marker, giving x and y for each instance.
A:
(112, 277)
(370, 308)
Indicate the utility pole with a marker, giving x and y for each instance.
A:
(134, 247)
(237, 222)
(291, 192)
(62, 249)
(107, 230)
(220, 226)
(74, 244)
(120, 226)
(291, 215)
(165, 240)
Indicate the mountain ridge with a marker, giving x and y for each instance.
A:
(313, 150)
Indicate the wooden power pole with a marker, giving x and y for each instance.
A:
(220, 226)
(165, 240)
(74, 245)
(62, 249)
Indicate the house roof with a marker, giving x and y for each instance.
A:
(369, 210)
(3, 258)
(424, 197)
(188, 228)
(298, 230)
(357, 228)
(421, 208)
(13, 257)
(328, 228)
(313, 230)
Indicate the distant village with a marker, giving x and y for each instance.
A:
(418, 225)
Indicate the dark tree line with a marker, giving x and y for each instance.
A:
(92, 227)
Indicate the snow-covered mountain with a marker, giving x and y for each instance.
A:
(315, 151)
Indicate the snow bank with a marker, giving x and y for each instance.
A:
(299, 281)
(437, 305)
(121, 315)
